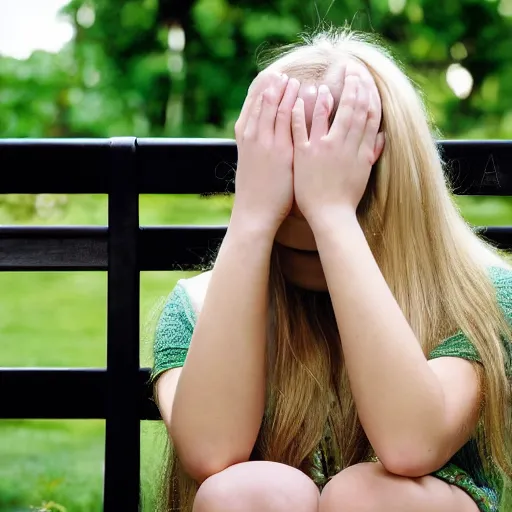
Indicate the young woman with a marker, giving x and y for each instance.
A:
(349, 350)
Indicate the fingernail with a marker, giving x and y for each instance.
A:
(284, 78)
(294, 82)
(323, 89)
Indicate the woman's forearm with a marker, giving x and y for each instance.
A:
(220, 397)
(398, 397)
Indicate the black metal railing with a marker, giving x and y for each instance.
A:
(123, 168)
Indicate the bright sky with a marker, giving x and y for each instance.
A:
(28, 25)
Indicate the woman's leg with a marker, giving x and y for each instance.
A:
(257, 487)
(368, 487)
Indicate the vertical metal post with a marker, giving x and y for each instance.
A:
(122, 447)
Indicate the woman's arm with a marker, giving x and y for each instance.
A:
(416, 413)
(220, 397)
(219, 400)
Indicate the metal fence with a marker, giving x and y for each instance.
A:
(123, 168)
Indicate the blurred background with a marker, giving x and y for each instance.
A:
(164, 68)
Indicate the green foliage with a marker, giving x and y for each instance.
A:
(119, 76)
(15, 208)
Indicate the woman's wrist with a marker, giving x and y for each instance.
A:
(324, 219)
(259, 227)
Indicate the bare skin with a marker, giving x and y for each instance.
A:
(272, 487)
(257, 487)
(366, 487)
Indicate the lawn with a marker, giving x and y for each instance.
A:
(59, 320)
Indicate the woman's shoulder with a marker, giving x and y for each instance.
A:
(501, 274)
(195, 288)
(501, 277)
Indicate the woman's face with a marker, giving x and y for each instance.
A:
(295, 242)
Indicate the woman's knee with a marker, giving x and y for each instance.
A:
(257, 487)
(368, 487)
(356, 485)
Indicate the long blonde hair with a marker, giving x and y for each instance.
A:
(436, 267)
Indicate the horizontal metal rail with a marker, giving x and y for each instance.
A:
(65, 393)
(85, 247)
(190, 166)
(160, 248)
(82, 166)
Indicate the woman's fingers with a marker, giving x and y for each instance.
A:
(251, 127)
(380, 140)
(299, 129)
(257, 107)
(358, 117)
(258, 85)
(361, 108)
(343, 118)
(323, 108)
(272, 97)
(372, 125)
(283, 131)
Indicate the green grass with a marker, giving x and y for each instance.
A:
(59, 320)
(61, 461)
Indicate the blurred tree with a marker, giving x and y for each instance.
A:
(163, 67)
(182, 68)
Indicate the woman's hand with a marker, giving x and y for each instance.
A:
(264, 178)
(332, 166)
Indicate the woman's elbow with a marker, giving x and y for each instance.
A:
(201, 460)
(412, 461)
(201, 467)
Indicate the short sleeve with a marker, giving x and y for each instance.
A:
(459, 345)
(173, 333)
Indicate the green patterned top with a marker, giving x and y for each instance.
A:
(176, 325)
